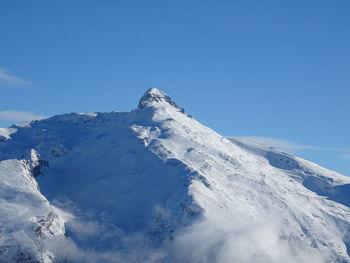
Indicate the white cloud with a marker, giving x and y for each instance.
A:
(19, 116)
(280, 143)
(10, 80)
(218, 240)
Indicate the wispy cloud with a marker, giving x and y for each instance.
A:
(9, 80)
(345, 156)
(294, 147)
(280, 143)
(20, 116)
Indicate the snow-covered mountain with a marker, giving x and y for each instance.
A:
(155, 185)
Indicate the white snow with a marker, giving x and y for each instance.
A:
(90, 114)
(155, 185)
(27, 218)
(6, 132)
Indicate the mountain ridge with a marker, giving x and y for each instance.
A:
(160, 178)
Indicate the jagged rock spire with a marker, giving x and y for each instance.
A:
(153, 96)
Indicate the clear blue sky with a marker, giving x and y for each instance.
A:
(278, 69)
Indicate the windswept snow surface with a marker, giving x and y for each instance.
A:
(155, 185)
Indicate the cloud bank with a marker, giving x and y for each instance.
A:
(206, 241)
(224, 241)
(212, 238)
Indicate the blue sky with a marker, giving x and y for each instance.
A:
(276, 70)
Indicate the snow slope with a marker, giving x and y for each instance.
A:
(6, 132)
(155, 185)
(27, 218)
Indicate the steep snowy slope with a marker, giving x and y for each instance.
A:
(26, 217)
(154, 185)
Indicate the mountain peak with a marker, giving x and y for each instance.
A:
(153, 97)
(168, 181)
